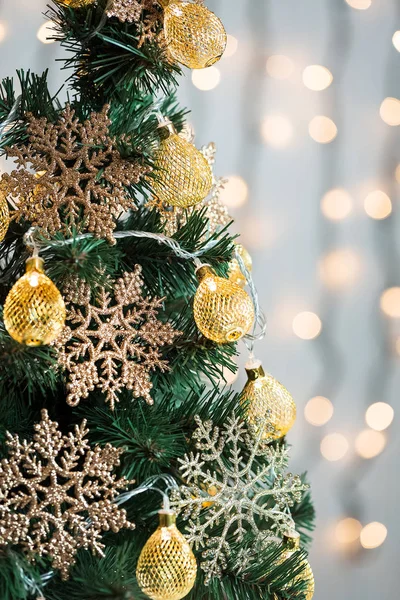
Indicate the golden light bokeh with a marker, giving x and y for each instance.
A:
(235, 192)
(279, 66)
(379, 416)
(390, 302)
(336, 204)
(373, 535)
(45, 31)
(318, 411)
(397, 173)
(334, 447)
(206, 79)
(359, 4)
(231, 46)
(390, 111)
(3, 31)
(378, 205)
(322, 129)
(340, 268)
(277, 131)
(307, 325)
(348, 531)
(317, 77)
(369, 443)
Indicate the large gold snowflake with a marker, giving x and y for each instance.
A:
(79, 178)
(113, 344)
(57, 494)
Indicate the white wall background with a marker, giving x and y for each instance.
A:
(352, 362)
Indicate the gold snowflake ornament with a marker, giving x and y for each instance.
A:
(57, 494)
(71, 175)
(146, 14)
(113, 343)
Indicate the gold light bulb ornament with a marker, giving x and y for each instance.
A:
(291, 544)
(75, 3)
(34, 311)
(183, 176)
(167, 567)
(235, 274)
(195, 36)
(4, 216)
(223, 311)
(269, 404)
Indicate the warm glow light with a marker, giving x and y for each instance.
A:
(228, 378)
(390, 302)
(235, 192)
(396, 40)
(317, 77)
(231, 46)
(322, 129)
(318, 411)
(277, 131)
(307, 325)
(397, 173)
(3, 31)
(334, 446)
(378, 205)
(337, 204)
(370, 443)
(340, 268)
(390, 111)
(359, 4)
(280, 66)
(206, 79)
(348, 531)
(379, 416)
(373, 535)
(45, 31)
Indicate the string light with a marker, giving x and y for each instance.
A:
(348, 531)
(359, 4)
(379, 416)
(235, 192)
(206, 79)
(390, 111)
(277, 131)
(322, 129)
(334, 447)
(279, 66)
(369, 443)
(396, 40)
(317, 77)
(231, 46)
(337, 204)
(339, 268)
(373, 535)
(307, 325)
(45, 31)
(318, 411)
(378, 205)
(390, 302)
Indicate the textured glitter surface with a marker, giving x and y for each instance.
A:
(4, 216)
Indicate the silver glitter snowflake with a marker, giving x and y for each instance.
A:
(235, 484)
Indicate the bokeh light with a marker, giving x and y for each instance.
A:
(307, 325)
(3, 31)
(322, 129)
(337, 204)
(277, 131)
(379, 416)
(318, 411)
(228, 378)
(45, 31)
(373, 535)
(378, 205)
(348, 531)
(279, 66)
(390, 111)
(235, 192)
(397, 173)
(396, 40)
(390, 302)
(340, 268)
(206, 79)
(231, 46)
(317, 77)
(369, 443)
(334, 447)
(359, 4)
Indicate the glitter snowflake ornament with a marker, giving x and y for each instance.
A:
(57, 494)
(113, 342)
(71, 175)
(234, 484)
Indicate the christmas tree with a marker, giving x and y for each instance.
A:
(129, 470)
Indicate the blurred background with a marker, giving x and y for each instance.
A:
(304, 109)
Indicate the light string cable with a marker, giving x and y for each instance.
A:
(32, 585)
(9, 120)
(150, 485)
